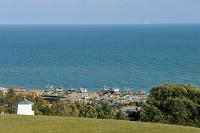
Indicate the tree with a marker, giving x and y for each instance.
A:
(88, 111)
(40, 106)
(151, 113)
(105, 111)
(11, 100)
(120, 115)
(173, 103)
(74, 112)
(2, 102)
(180, 111)
(60, 108)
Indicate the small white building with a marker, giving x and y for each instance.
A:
(24, 107)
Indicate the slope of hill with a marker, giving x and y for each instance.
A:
(55, 124)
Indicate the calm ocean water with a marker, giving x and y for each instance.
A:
(137, 56)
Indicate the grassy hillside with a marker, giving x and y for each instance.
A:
(52, 124)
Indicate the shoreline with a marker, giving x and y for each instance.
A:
(67, 89)
(116, 95)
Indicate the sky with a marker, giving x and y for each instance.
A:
(99, 11)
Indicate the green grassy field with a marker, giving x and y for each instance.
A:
(54, 124)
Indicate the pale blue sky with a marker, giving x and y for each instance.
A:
(99, 11)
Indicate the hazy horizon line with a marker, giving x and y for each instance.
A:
(109, 24)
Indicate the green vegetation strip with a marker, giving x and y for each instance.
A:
(55, 124)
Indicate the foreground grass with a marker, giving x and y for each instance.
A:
(54, 124)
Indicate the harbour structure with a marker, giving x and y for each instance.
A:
(53, 94)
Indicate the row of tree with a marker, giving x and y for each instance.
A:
(168, 103)
(104, 110)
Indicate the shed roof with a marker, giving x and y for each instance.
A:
(24, 101)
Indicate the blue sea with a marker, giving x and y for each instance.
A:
(93, 56)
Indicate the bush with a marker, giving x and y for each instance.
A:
(173, 103)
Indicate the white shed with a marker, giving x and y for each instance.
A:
(24, 107)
